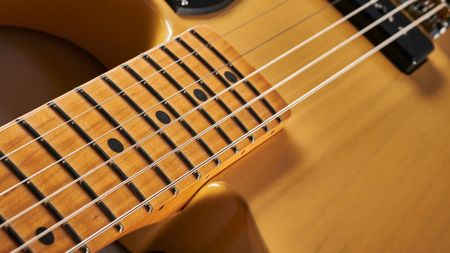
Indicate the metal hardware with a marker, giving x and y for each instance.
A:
(437, 24)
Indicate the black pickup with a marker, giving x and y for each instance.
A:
(407, 52)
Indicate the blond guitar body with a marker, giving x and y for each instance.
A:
(361, 166)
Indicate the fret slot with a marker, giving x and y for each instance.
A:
(119, 172)
(172, 110)
(202, 84)
(37, 193)
(12, 233)
(150, 122)
(225, 83)
(72, 172)
(92, 194)
(172, 145)
(240, 75)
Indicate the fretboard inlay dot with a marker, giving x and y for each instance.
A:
(200, 95)
(232, 78)
(115, 145)
(47, 239)
(163, 117)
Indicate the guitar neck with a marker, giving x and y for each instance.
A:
(136, 126)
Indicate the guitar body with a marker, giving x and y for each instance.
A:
(361, 166)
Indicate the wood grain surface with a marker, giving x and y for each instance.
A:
(31, 157)
(362, 166)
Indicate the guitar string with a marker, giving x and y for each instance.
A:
(11, 123)
(134, 84)
(66, 187)
(9, 189)
(401, 32)
(217, 123)
(320, 86)
(147, 77)
(100, 103)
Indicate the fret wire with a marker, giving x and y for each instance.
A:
(130, 211)
(170, 108)
(211, 92)
(40, 196)
(240, 75)
(70, 170)
(270, 63)
(112, 163)
(150, 122)
(92, 194)
(9, 230)
(14, 236)
(166, 155)
(225, 82)
(289, 106)
(2, 128)
(119, 172)
(276, 59)
(443, 5)
(155, 126)
(202, 84)
(264, 42)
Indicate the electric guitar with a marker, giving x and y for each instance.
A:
(345, 104)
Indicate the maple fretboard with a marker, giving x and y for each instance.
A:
(118, 124)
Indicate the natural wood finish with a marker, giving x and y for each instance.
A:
(32, 157)
(362, 167)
